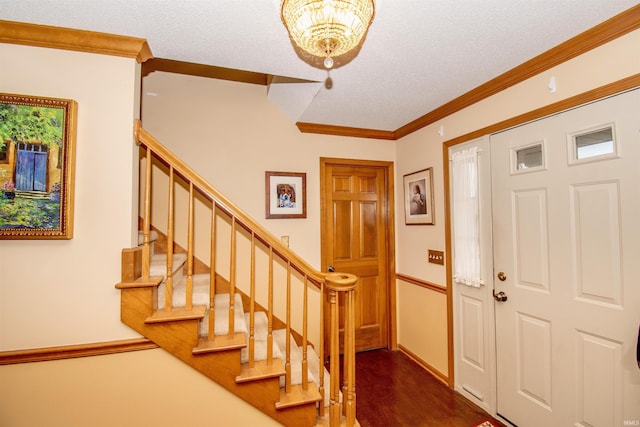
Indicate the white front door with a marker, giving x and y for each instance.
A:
(566, 237)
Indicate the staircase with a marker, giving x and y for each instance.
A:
(228, 330)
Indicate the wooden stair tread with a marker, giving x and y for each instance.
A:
(261, 370)
(177, 313)
(298, 396)
(221, 343)
(142, 282)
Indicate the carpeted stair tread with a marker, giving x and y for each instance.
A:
(200, 291)
(153, 236)
(314, 369)
(221, 309)
(261, 329)
(158, 266)
(279, 338)
(201, 297)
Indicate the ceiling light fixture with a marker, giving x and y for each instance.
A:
(327, 33)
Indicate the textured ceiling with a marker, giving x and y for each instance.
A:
(418, 55)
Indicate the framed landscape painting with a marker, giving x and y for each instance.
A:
(285, 195)
(37, 165)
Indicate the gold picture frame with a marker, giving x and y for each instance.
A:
(37, 167)
(418, 198)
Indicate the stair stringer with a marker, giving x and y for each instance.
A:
(180, 337)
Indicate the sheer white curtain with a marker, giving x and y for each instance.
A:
(466, 220)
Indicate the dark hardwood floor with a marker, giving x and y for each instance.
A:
(393, 390)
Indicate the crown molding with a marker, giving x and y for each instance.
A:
(76, 40)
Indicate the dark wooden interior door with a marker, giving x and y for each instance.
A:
(355, 206)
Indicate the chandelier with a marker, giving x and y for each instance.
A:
(327, 33)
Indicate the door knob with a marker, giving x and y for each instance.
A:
(500, 296)
(331, 269)
(502, 277)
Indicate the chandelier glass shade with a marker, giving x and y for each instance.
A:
(327, 29)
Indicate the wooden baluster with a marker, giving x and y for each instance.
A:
(168, 290)
(305, 361)
(189, 287)
(321, 351)
(350, 356)
(334, 365)
(270, 311)
(252, 305)
(146, 225)
(232, 278)
(287, 365)
(212, 274)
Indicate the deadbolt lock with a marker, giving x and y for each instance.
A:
(502, 277)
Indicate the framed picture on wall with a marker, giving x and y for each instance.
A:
(37, 163)
(418, 198)
(285, 195)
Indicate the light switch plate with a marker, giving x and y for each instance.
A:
(436, 257)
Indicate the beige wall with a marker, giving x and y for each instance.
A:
(611, 62)
(143, 388)
(61, 292)
(423, 326)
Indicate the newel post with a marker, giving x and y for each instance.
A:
(337, 283)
